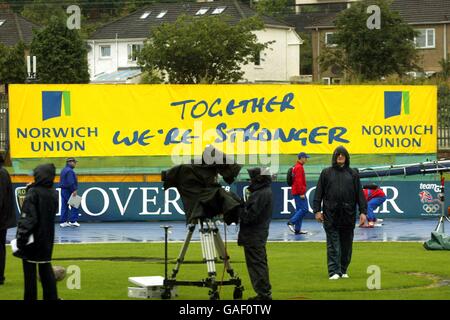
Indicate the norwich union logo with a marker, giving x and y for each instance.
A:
(393, 102)
(52, 102)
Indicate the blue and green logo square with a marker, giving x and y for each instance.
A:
(53, 102)
(395, 102)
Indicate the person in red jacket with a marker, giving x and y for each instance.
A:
(375, 198)
(299, 194)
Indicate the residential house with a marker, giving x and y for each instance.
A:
(114, 47)
(431, 18)
(15, 28)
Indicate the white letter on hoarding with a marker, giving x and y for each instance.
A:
(168, 201)
(105, 201)
(286, 201)
(391, 200)
(119, 203)
(146, 200)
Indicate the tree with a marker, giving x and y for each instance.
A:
(369, 54)
(13, 68)
(202, 50)
(445, 66)
(41, 11)
(274, 8)
(306, 58)
(61, 54)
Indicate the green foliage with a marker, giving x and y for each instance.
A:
(205, 50)
(274, 8)
(306, 57)
(41, 11)
(61, 54)
(444, 105)
(13, 67)
(445, 68)
(367, 54)
(151, 77)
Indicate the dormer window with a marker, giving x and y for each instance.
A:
(202, 11)
(161, 14)
(219, 10)
(145, 15)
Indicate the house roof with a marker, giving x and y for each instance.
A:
(423, 11)
(119, 76)
(133, 27)
(15, 28)
(412, 11)
(303, 20)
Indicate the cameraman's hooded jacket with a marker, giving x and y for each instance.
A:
(339, 188)
(7, 214)
(255, 219)
(38, 216)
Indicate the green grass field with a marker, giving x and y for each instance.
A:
(297, 271)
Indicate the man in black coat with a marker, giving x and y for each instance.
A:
(254, 230)
(38, 219)
(337, 197)
(7, 214)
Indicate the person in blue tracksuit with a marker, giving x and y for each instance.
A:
(69, 185)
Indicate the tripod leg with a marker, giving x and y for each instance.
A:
(208, 251)
(223, 254)
(180, 259)
(440, 225)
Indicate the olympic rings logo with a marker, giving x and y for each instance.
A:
(431, 208)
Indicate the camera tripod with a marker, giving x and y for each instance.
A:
(210, 241)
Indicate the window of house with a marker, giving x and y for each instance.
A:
(105, 51)
(145, 15)
(202, 11)
(330, 39)
(425, 39)
(133, 51)
(219, 10)
(326, 80)
(258, 58)
(161, 14)
(2, 22)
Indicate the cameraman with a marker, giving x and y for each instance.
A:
(254, 230)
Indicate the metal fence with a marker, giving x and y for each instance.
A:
(443, 118)
(4, 143)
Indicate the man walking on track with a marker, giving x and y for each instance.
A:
(299, 193)
(69, 186)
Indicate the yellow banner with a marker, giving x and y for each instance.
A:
(138, 120)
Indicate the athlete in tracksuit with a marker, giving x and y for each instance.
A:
(375, 198)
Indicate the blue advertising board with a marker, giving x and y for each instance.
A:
(149, 201)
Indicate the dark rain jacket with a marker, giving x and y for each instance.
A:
(201, 194)
(255, 219)
(38, 216)
(7, 214)
(339, 193)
